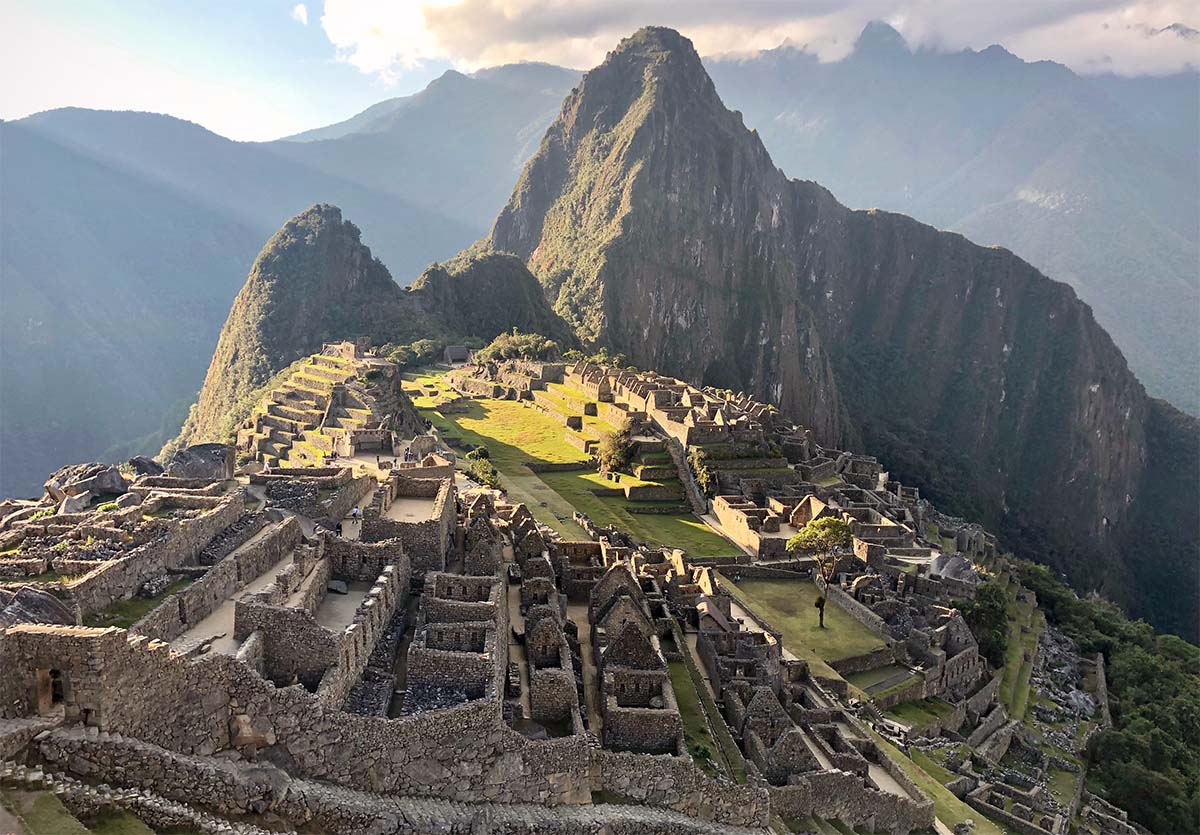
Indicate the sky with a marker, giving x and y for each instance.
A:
(261, 69)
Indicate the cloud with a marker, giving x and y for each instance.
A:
(300, 13)
(384, 38)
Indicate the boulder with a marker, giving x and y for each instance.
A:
(77, 503)
(32, 605)
(214, 462)
(338, 587)
(129, 500)
(143, 465)
(109, 480)
(81, 478)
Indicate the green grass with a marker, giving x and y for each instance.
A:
(665, 529)
(699, 741)
(42, 813)
(948, 808)
(118, 823)
(934, 769)
(125, 613)
(518, 435)
(1062, 785)
(788, 605)
(1014, 686)
(919, 713)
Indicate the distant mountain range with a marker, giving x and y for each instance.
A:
(126, 235)
(1094, 180)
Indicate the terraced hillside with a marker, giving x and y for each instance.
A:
(317, 404)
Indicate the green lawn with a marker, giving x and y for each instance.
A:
(948, 808)
(41, 812)
(517, 435)
(1062, 785)
(670, 530)
(919, 713)
(699, 741)
(125, 613)
(788, 605)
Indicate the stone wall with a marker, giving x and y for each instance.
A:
(180, 543)
(426, 542)
(839, 795)
(350, 560)
(181, 611)
(857, 611)
(677, 783)
(348, 496)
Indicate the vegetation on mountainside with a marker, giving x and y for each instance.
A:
(315, 282)
(987, 615)
(517, 345)
(1148, 763)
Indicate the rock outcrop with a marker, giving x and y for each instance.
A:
(661, 229)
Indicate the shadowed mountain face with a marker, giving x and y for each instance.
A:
(660, 228)
(1091, 179)
(316, 282)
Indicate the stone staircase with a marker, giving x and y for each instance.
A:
(85, 800)
(288, 423)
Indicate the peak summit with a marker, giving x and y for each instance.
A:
(879, 38)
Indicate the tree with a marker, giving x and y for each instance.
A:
(824, 539)
(987, 615)
(615, 450)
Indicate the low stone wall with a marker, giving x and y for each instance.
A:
(223, 787)
(867, 661)
(348, 496)
(858, 611)
(181, 611)
(677, 783)
(180, 544)
(839, 795)
(653, 493)
(988, 726)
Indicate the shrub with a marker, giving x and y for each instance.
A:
(615, 450)
(107, 506)
(481, 470)
(517, 345)
(42, 514)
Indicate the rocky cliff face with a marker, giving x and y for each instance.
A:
(660, 228)
(316, 282)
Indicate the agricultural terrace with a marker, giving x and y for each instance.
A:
(519, 436)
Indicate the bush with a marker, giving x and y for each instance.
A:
(698, 460)
(482, 471)
(517, 345)
(107, 506)
(42, 514)
(615, 450)
(987, 615)
(479, 453)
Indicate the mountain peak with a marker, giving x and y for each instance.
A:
(880, 39)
